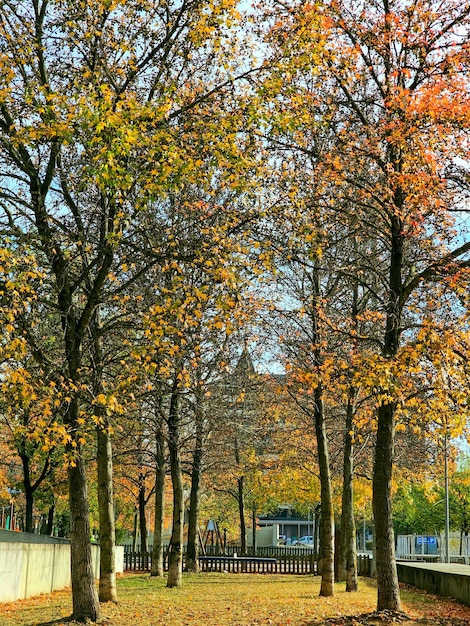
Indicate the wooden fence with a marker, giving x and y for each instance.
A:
(364, 565)
(279, 564)
(258, 565)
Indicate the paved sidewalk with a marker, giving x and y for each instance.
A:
(452, 568)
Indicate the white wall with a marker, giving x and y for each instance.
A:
(265, 536)
(29, 569)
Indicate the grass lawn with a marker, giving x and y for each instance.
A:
(236, 600)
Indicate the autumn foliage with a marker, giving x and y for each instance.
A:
(193, 186)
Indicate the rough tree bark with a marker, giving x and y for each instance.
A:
(175, 566)
(104, 461)
(50, 520)
(347, 560)
(157, 568)
(387, 578)
(142, 519)
(241, 512)
(107, 585)
(327, 535)
(253, 524)
(192, 552)
(84, 595)
(347, 556)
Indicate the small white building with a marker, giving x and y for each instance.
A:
(284, 527)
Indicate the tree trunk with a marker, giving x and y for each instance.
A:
(253, 523)
(316, 532)
(28, 493)
(241, 501)
(50, 520)
(327, 536)
(157, 568)
(241, 512)
(388, 596)
(387, 579)
(30, 487)
(134, 531)
(107, 586)
(142, 519)
(29, 503)
(347, 556)
(175, 566)
(104, 463)
(192, 551)
(84, 595)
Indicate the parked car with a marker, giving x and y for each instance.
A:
(306, 540)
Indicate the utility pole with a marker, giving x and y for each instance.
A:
(446, 490)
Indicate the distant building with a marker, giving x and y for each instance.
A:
(289, 524)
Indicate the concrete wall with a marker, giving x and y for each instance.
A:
(445, 580)
(29, 569)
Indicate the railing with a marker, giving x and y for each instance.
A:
(263, 551)
(244, 564)
(283, 564)
(139, 561)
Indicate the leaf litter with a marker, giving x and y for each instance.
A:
(240, 600)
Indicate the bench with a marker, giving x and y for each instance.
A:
(240, 564)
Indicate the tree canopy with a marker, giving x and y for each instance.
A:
(191, 187)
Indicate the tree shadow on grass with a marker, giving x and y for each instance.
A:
(69, 621)
(60, 621)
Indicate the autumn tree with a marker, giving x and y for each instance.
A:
(31, 389)
(389, 93)
(238, 434)
(89, 130)
(418, 508)
(303, 343)
(194, 308)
